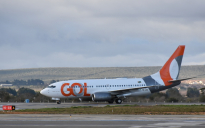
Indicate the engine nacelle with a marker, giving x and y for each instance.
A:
(101, 96)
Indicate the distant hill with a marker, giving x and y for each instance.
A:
(48, 74)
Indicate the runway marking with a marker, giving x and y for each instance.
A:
(158, 125)
(54, 125)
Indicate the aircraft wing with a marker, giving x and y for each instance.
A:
(122, 91)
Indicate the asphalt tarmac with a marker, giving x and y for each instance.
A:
(101, 121)
(93, 104)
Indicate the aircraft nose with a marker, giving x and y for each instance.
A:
(42, 91)
(45, 92)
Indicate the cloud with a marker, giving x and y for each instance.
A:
(99, 33)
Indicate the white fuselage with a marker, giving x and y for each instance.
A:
(85, 88)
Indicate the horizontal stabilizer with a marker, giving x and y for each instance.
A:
(170, 81)
(201, 89)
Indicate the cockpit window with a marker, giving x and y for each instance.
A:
(51, 86)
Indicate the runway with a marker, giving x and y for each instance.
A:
(93, 104)
(101, 121)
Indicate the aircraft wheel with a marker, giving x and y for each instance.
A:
(59, 102)
(118, 101)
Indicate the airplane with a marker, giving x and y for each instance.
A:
(111, 90)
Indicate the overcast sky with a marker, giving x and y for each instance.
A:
(100, 33)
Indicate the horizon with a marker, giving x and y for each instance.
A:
(95, 67)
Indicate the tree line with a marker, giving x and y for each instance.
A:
(27, 82)
(171, 95)
(11, 95)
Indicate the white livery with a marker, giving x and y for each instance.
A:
(111, 90)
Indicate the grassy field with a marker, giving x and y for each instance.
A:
(48, 74)
(126, 109)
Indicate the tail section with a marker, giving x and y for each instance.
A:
(170, 71)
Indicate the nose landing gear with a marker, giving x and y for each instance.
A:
(58, 102)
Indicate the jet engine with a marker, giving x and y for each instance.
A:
(101, 96)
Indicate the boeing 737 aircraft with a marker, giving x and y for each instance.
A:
(111, 90)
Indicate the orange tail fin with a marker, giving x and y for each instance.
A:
(171, 69)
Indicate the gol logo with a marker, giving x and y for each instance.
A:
(72, 89)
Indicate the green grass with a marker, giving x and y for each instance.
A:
(126, 109)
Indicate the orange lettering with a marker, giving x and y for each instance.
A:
(85, 91)
(71, 89)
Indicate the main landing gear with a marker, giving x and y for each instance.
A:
(58, 102)
(118, 101)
